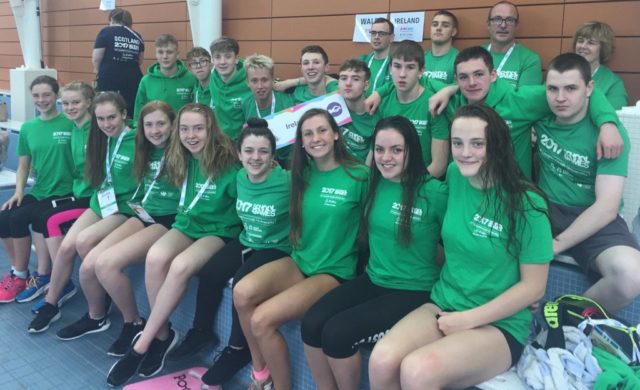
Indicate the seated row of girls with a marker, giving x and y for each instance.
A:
(278, 287)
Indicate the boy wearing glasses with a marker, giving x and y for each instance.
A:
(228, 85)
(514, 62)
(378, 60)
(199, 61)
(167, 80)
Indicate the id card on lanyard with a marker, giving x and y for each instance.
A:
(138, 207)
(107, 194)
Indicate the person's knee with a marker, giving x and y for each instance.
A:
(84, 243)
(179, 270)
(624, 273)
(262, 323)
(421, 370)
(105, 266)
(244, 295)
(87, 269)
(384, 362)
(311, 328)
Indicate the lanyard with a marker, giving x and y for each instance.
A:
(505, 58)
(595, 71)
(153, 183)
(273, 105)
(197, 197)
(109, 164)
(198, 100)
(384, 63)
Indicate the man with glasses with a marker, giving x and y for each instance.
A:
(378, 60)
(199, 62)
(514, 62)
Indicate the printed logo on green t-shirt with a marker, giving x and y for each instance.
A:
(483, 227)
(333, 196)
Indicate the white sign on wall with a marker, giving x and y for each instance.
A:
(363, 25)
(107, 5)
(408, 25)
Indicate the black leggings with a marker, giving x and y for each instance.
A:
(14, 223)
(356, 312)
(226, 263)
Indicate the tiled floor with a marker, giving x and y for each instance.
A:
(41, 361)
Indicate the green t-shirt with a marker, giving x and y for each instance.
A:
(264, 210)
(48, 143)
(175, 90)
(417, 112)
(522, 66)
(123, 182)
(478, 267)
(357, 134)
(301, 94)
(163, 196)
(568, 161)
(612, 86)
(379, 71)
(202, 95)
(520, 110)
(79, 136)
(228, 98)
(214, 213)
(282, 102)
(392, 264)
(440, 67)
(331, 208)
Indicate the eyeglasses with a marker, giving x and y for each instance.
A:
(198, 64)
(509, 21)
(373, 33)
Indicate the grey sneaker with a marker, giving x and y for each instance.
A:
(266, 384)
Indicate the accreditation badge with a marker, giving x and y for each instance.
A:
(141, 212)
(107, 201)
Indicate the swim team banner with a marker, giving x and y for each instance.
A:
(283, 124)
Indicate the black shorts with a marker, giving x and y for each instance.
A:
(615, 233)
(337, 278)
(164, 220)
(515, 347)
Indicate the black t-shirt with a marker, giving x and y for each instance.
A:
(122, 49)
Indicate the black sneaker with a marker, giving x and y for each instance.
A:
(123, 342)
(84, 325)
(226, 365)
(47, 315)
(195, 341)
(158, 350)
(125, 368)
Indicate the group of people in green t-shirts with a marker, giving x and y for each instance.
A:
(343, 228)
